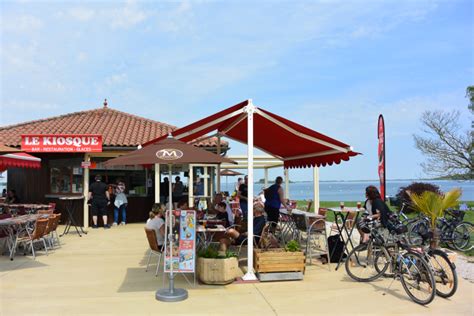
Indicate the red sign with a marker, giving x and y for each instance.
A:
(381, 155)
(61, 143)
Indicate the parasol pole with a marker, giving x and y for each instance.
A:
(171, 294)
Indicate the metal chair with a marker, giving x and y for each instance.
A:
(309, 228)
(54, 232)
(154, 248)
(35, 236)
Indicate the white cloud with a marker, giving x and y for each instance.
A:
(127, 16)
(82, 14)
(20, 24)
(116, 79)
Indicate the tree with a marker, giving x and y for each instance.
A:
(447, 147)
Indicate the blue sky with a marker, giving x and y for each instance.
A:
(332, 66)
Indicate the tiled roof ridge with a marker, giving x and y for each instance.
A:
(103, 109)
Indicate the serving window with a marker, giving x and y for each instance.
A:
(65, 176)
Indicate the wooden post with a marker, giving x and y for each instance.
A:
(85, 192)
(287, 183)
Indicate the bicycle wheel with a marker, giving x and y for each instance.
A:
(381, 262)
(417, 278)
(444, 273)
(463, 236)
(416, 231)
(360, 264)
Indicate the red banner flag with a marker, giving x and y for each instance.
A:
(381, 155)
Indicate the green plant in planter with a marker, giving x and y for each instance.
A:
(433, 205)
(292, 246)
(212, 253)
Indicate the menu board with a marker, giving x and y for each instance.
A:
(184, 247)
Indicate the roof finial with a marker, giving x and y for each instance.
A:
(105, 103)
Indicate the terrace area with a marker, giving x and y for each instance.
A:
(103, 272)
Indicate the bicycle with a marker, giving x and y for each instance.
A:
(368, 262)
(444, 271)
(453, 231)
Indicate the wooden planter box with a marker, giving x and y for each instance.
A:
(278, 260)
(217, 271)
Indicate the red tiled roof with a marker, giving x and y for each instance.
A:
(118, 129)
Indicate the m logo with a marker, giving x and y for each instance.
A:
(169, 154)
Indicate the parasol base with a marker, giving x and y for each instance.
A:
(165, 295)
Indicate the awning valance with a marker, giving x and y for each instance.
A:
(19, 160)
(297, 146)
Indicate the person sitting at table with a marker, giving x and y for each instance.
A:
(376, 209)
(235, 237)
(242, 195)
(157, 222)
(12, 198)
(274, 199)
(222, 213)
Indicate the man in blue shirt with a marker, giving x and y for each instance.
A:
(274, 198)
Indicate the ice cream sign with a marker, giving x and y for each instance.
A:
(61, 143)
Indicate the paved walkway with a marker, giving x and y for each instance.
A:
(103, 273)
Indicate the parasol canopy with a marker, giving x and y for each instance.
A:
(230, 173)
(168, 151)
(19, 160)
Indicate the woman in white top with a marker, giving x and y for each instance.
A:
(157, 222)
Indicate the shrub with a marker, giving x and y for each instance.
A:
(292, 246)
(415, 188)
(212, 253)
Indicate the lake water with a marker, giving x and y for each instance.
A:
(354, 190)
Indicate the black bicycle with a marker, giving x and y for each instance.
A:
(453, 230)
(368, 262)
(444, 271)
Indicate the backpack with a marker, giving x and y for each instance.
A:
(336, 248)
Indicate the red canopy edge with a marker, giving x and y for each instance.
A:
(19, 160)
(297, 145)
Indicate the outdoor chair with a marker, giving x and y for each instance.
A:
(46, 212)
(154, 248)
(36, 236)
(308, 205)
(54, 232)
(47, 235)
(308, 229)
(258, 240)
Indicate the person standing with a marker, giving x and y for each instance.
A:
(178, 189)
(237, 185)
(99, 198)
(120, 204)
(243, 197)
(274, 198)
(164, 190)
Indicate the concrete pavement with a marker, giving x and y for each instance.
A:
(103, 273)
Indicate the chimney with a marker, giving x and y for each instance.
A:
(105, 103)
